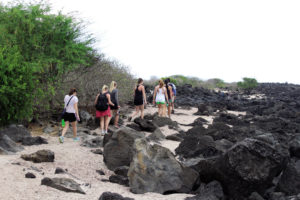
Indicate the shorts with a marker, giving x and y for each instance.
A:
(159, 102)
(69, 117)
(103, 113)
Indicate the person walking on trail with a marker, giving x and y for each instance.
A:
(169, 95)
(139, 99)
(71, 114)
(102, 103)
(114, 99)
(159, 97)
(174, 94)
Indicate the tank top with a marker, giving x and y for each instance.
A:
(160, 95)
(138, 94)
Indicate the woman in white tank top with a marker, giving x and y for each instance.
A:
(159, 97)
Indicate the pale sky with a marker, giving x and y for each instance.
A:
(227, 39)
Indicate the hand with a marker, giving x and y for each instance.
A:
(119, 106)
(77, 118)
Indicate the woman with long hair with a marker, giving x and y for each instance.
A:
(102, 103)
(71, 115)
(139, 99)
(159, 97)
(114, 98)
(170, 97)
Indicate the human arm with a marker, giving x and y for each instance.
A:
(76, 111)
(117, 98)
(171, 91)
(166, 95)
(154, 94)
(109, 101)
(144, 94)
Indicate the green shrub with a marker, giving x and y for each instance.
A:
(247, 83)
(36, 49)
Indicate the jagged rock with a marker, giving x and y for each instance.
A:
(118, 151)
(163, 121)
(112, 196)
(250, 166)
(30, 175)
(155, 169)
(59, 170)
(223, 145)
(195, 146)
(119, 180)
(122, 171)
(210, 191)
(15, 132)
(92, 142)
(289, 182)
(174, 137)
(97, 151)
(145, 125)
(295, 146)
(84, 116)
(39, 156)
(8, 145)
(28, 141)
(100, 172)
(3, 152)
(255, 196)
(156, 136)
(63, 184)
(204, 109)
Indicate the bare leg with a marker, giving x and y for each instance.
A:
(102, 124)
(160, 110)
(106, 120)
(142, 111)
(136, 112)
(116, 122)
(74, 126)
(65, 129)
(169, 110)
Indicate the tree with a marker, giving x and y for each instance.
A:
(248, 83)
(37, 49)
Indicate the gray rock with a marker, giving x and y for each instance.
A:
(174, 137)
(92, 142)
(100, 172)
(112, 196)
(295, 146)
(255, 196)
(210, 191)
(156, 136)
(59, 170)
(155, 169)
(15, 132)
(163, 121)
(118, 150)
(8, 145)
(119, 180)
(48, 129)
(122, 171)
(30, 175)
(63, 184)
(289, 182)
(39, 156)
(84, 116)
(145, 125)
(223, 145)
(97, 151)
(28, 141)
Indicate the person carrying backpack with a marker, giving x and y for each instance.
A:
(174, 94)
(102, 103)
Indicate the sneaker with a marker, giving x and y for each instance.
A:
(173, 112)
(102, 133)
(61, 139)
(105, 132)
(76, 139)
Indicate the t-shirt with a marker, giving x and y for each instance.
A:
(70, 108)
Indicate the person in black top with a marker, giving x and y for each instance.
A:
(170, 95)
(139, 99)
(114, 98)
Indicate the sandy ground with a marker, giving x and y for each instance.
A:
(81, 164)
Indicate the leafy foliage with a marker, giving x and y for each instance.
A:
(248, 83)
(36, 49)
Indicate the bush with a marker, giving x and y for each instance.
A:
(247, 83)
(36, 49)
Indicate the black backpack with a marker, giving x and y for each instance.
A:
(102, 102)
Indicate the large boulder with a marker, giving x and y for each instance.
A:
(204, 109)
(210, 191)
(295, 146)
(8, 145)
(155, 169)
(39, 156)
(156, 136)
(92, 142)
(63, 184)
(15, 132)
(165, 121)
(249, 166)
(289, 182)
(118, 148)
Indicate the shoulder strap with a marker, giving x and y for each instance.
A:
(69, 100)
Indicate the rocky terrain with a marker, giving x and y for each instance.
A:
(222, 145)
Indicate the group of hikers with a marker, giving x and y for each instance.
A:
(107, 105)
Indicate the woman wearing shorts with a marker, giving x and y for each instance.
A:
(104, 115)
(71, 115)
(114, 98)
(139, 99)
(160, 96)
